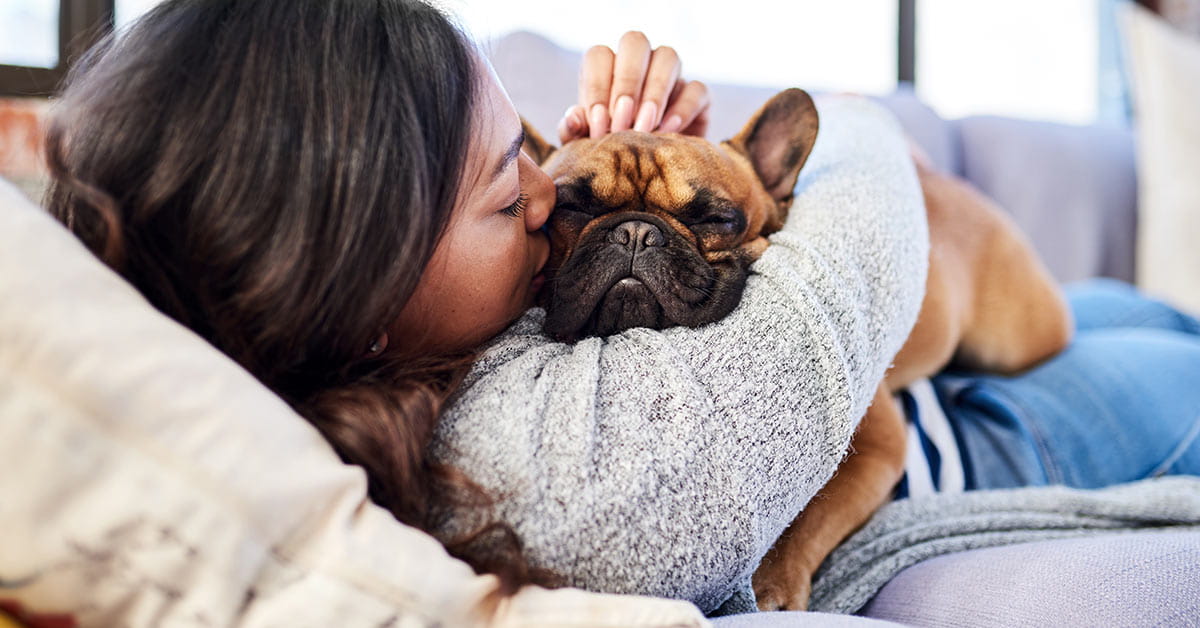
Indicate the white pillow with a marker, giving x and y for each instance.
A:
(145, 479)
(1165, 70)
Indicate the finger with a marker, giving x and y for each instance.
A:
(574, 124)
(671, 100)
(629, 72)
(595, 76)
(699, 125)
(661, 77)
(595, 85)
(688, 111)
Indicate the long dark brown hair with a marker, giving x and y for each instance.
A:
(275, 175)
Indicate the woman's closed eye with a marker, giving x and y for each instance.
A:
(517, 208)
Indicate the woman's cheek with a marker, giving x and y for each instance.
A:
(506, 261)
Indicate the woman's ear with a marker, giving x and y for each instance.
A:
(538, 149)
(778, 139)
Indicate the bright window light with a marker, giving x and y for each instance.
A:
(1021, 58)
(130, 10)
(814, 44)
(29, 33)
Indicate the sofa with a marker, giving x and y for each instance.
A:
(148, 480)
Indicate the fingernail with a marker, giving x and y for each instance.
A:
(645, 119)
(623, 113)
(672, 125)
(598, 120)
(570, 120)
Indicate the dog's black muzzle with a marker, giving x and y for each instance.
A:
(633, 270)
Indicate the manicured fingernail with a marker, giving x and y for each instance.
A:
(570, 120)
(672, 125)
(598, 120)
(645, 119)
(623, 114)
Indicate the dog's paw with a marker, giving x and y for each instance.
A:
(789, 593)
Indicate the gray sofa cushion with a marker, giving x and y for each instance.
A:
(1072, 189)
(1132, 579)
(799, 620)
(1137, 579)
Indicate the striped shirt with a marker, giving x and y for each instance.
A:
(933, 461)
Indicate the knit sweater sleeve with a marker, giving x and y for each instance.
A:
(667, 462)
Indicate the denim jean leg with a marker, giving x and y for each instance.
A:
(1103, 303)
(996, 448)
(1120, 404)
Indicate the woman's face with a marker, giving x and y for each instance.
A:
(487, 268)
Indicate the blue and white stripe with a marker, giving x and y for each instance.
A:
(932, 463)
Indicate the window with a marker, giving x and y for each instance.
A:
(129, 10)
(1025, 58)
(849, 46)
(29, 33)
(1021, 58)
(38, 38)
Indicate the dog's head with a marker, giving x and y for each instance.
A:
(658, 230)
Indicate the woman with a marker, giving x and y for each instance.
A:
(333, 194)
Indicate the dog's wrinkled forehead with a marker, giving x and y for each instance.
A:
(645, 172)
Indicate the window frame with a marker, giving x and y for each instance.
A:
(81, 23)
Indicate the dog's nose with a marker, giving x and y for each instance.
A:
(636, 235)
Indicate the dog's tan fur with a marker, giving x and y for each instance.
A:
(663, 183)
(989, 301)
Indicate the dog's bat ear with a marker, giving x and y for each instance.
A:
(778, 139)
(538, 149)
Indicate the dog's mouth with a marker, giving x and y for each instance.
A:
(608, 285)
(627, 304)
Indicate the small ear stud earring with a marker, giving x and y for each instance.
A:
(378, 345)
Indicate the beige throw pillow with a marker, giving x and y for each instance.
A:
(1165, 70)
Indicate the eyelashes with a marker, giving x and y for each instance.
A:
(517, 209)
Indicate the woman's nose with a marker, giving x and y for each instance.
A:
(541, 195)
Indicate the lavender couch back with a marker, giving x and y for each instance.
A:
(1072, 189)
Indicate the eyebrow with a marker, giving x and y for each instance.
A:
(509, 155)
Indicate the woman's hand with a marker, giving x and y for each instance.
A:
(635, 88)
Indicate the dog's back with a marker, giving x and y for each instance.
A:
(990, 303)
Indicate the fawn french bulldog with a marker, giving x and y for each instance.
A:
(660, 229)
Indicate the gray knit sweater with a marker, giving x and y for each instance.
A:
(667, 462)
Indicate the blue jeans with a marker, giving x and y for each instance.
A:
(1122, 403)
